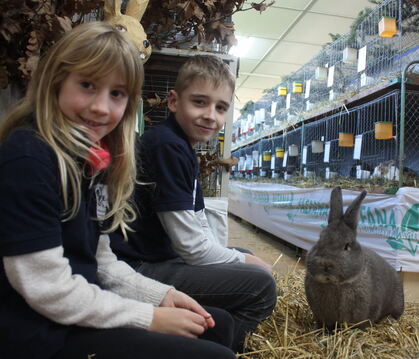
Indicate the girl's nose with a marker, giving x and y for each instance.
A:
(100, 104)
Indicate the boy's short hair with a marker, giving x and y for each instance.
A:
(204, 67)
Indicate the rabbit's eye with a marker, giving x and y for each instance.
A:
(121, 28)
(347, 247)
(146, 43)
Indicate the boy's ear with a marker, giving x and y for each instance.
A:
(172, 99)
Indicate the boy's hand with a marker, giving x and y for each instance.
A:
(177, 321)
(251, 259)
(176, 299)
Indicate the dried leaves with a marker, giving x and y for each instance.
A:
(28, 28)
(173, 23)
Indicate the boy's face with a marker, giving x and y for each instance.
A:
(200, 109)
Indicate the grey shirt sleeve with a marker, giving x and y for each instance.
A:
(192, 238)
(45, 280)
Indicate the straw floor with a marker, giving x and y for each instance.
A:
(290, 332)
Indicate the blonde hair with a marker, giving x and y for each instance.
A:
(204, 67)
(93, 50)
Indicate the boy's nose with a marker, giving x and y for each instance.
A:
(100, 104)
(210, 113)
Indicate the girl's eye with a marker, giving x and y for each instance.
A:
(118, 93)
(86, 84)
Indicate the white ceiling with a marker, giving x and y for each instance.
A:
(286, 36)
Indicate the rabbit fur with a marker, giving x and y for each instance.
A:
(346, 282)
(129, 22)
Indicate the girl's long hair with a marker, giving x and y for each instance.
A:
(93, 50)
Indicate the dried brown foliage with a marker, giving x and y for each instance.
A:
(171, 23)
(28, 28)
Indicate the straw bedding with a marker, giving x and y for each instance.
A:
(289, 333)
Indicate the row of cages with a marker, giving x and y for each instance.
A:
(363, 142)
(376, 51)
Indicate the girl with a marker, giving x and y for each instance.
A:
(63, 294)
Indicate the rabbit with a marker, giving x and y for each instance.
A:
(129, 22)
(346, 282)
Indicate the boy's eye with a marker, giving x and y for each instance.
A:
(199, 102)
(222, 108)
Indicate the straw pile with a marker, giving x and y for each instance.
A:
(290, 332)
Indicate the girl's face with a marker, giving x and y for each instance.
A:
(99, 105)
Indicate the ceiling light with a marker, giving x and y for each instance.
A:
(243, 47)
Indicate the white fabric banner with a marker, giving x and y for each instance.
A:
(388, 224)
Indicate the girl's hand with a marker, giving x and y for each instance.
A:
(176, 299)
(177, 321)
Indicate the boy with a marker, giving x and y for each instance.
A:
(172, 241)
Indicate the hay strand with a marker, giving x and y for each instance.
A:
(290, 333)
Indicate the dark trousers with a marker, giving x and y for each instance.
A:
(246, 291)
(124, 343)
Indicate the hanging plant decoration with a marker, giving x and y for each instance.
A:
(29, 27)
(172, 23)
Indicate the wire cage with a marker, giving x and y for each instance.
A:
(378, 152)
(316, 90)
(292, 155)
(360, 60)
(385, 57)
(279, 148)
(313, 148)
(411, 141)
(267, 155)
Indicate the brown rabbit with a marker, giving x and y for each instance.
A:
(129, 22)
(346, 282)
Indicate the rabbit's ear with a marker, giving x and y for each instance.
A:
(351, 214)
(112, 8)
(336, 210)
(136, 8)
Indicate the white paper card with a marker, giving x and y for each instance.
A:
(262, 115)
(330, 76)
(358, 146)
(273, 108)
(304, 155)
(284, 162)
(362, 58)
(288, 102)
(326, 151)
(272, 162)
(307, 92)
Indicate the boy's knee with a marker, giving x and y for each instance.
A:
(265, 287)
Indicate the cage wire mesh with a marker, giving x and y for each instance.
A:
(348, 144)
(155, 90)
(313, 145)
(292, 155)
(356, 61)
(279, 147)
(411, 147)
